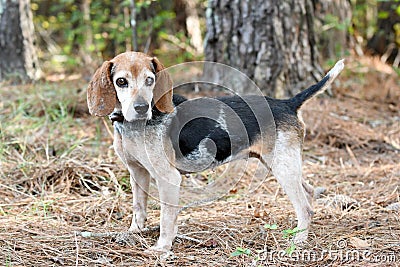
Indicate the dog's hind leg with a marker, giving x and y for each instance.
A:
(287, 168)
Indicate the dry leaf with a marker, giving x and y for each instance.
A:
(342, 202)
(393, 206)
(359, 243)
(211, 243)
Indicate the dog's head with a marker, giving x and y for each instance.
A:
(132, 81)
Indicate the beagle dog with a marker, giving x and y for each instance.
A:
(161, 135)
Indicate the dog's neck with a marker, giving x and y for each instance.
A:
(157, 116)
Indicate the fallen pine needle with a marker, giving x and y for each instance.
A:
(87, 234)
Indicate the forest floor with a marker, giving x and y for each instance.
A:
(58, 172)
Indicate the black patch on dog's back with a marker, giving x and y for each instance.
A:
(199, 129)
(221, 126)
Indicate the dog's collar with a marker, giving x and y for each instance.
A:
(116, 117)
(157, 117)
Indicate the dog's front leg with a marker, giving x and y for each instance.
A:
(140, 181)
(168, 187)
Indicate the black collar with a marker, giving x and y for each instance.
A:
(156, 117)
(116, 116)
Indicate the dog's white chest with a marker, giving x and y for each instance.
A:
(146, 145)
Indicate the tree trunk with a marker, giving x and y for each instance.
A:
(333, 18)
(188, 19)
(18, 57)
(386, 40)
(272, 42)
(85, 50)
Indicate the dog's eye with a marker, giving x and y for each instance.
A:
(149, 81)
(122, 82)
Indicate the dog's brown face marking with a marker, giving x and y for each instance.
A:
(135, 62)
(130, 78)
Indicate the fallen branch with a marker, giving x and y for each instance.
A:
(86, 234)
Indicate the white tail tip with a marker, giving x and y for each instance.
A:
(334, 72)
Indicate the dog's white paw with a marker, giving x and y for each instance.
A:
(136, 228)
(301, 237)
(137, 224)
(162, 252)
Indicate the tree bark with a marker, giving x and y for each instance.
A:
(134, 26)
(18, 57)
(386, 40)
(188, 19)
(272, 42)
(85, 50)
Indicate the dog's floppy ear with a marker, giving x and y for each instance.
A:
(162, 94)
(101, 95)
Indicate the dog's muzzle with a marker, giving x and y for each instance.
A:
(141, 108)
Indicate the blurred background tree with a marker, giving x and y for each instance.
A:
(386, 39)
(332, 24)
(18, 58)
(84, 32)
(75, 36)
(272, 42)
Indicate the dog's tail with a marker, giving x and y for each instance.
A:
(302, 97)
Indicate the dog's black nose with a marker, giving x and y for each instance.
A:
(141, 108)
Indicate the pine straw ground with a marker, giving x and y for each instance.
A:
(58, 172)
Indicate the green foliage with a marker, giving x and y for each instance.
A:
(271, 227)
(8, 262)
(289, 233)
(365, 14)
(286, 234)
(363, 20)
(241, 251)
(383, 14)
(397, 70)
(332, 21)
(290, 249)
(37, 118)
(106, 28)
(43, 207)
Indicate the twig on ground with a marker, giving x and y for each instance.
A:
(15, 190)
(114, 179)
(194, 240)
(77, 250)
(86, 234)
(107, 128)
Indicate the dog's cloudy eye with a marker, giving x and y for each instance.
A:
(149, 81)
(121, 82)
